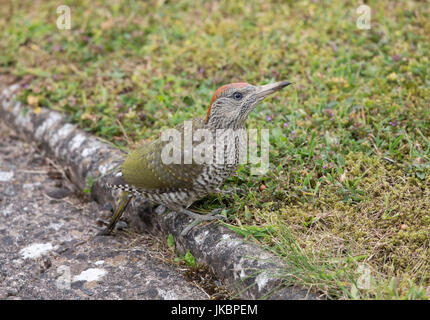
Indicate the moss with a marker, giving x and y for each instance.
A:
(374, 225)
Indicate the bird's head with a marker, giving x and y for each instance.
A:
(231, 104)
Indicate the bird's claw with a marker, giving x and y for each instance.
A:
(199, 218)
(231, 191)
(105, 232)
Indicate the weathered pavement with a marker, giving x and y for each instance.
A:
(48, 247)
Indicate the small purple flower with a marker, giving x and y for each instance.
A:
(329, 165)
(397, 57)
(25, 85)
(201, 70)
(286, 124)
(268, 118)
(334, 47)
(58, 48)
(329, 112)
(393, 123)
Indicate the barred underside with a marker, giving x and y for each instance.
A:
(179, 197)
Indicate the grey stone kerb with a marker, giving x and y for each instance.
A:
(242, 266)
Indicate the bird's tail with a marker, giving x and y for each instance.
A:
(118, 183)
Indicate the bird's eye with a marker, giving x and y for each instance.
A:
(237, 95)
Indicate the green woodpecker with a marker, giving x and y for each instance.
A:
(150, 172)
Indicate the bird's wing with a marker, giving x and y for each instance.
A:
(145, 169)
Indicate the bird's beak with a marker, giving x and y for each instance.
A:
(264, 91)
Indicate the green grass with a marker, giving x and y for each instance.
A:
(349, 181)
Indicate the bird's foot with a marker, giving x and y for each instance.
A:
(231, 191)
(105, 232)
(199, 218)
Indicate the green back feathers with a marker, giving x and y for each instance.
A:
(144, 168)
